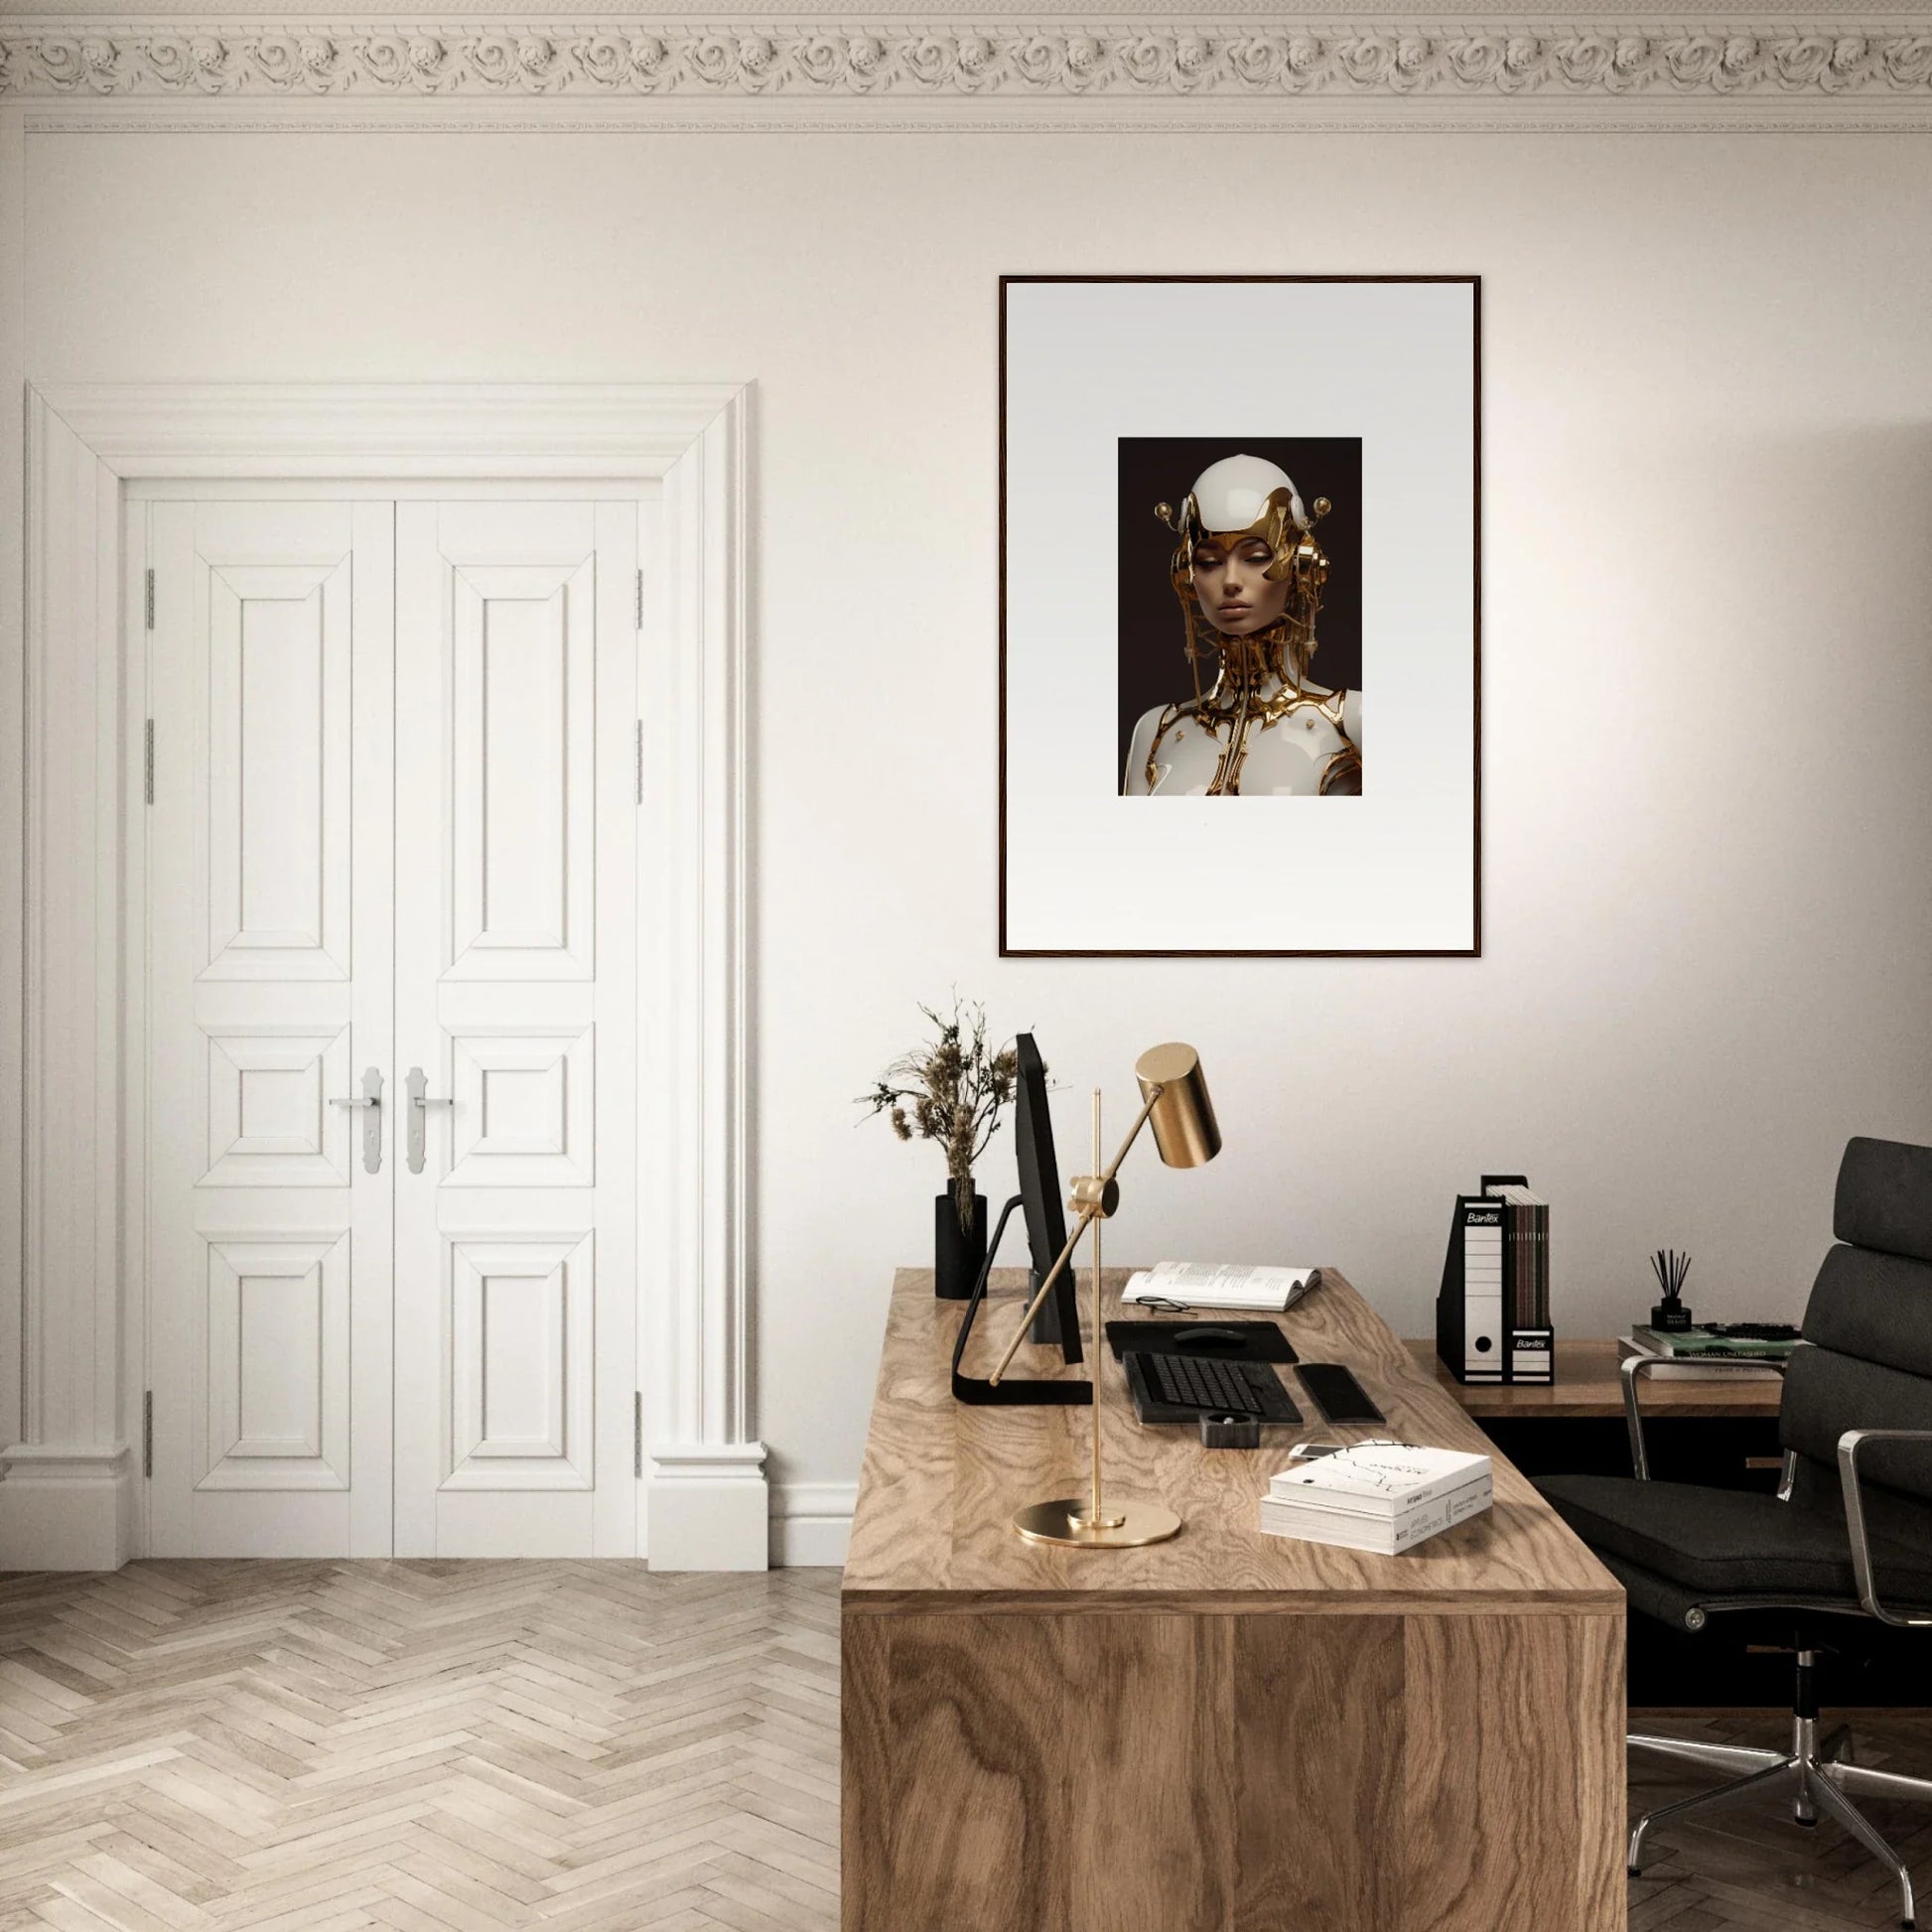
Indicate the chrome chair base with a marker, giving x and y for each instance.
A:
(1818, 1777)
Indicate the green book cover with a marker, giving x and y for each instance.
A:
(1700, 1341)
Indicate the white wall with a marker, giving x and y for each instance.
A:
(1707, 647)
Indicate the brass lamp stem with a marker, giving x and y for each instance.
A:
(1095, 1517)
(1100, 1188)
(1099, 1356)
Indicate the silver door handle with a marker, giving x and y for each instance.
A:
(420, 1103)
(371, 1098)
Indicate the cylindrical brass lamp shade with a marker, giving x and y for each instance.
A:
(1183, 1119)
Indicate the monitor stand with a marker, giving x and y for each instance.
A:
(1047, 1324)
(1012, 1391)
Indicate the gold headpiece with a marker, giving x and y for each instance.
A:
(1288, 646)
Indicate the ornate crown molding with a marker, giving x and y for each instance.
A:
(617, 61)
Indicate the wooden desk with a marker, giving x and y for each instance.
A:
(1227, 1730)
(1587, 1385)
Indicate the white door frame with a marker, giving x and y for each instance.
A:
(72, 1477)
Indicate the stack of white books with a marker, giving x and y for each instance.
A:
(1380, 1496)
(1216, 1285)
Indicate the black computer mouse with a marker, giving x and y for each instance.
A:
(1207, 1337)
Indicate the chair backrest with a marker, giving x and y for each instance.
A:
(1869, 1325)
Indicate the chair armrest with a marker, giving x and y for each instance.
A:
(1848, 1446)
(1634, 1367)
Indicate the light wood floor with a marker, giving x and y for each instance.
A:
(461, 1747)
(315, 1747)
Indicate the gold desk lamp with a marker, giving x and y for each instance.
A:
(1174, 1101)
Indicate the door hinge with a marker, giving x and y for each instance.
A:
(640, 599)
(637, 1433)
(147, 1433)
(147, 761)
(150, 600)
(641, 760)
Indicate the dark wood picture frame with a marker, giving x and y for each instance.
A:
(1475, 949)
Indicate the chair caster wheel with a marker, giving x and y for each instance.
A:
(1633, 1872)
(1809, 1824)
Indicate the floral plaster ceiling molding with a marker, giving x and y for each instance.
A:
(1795, 64)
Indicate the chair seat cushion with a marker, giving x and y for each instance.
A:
(1728, 1541)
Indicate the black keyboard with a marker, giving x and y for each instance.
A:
(1207, 1386)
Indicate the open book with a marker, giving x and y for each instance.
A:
(1213, 1284)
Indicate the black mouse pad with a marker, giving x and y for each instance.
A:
(1247, 1341)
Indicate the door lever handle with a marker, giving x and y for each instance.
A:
(420, 1103)
(370, 1098)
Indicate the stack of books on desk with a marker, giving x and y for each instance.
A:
(1380, 1496)
(1691, 1353)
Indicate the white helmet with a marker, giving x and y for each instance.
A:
(1233, 494)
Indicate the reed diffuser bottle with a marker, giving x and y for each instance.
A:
(1670, 1315)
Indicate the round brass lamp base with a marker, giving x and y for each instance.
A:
(1129, 1525)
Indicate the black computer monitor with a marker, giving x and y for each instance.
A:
(1039, 1199)
(1039, 1193)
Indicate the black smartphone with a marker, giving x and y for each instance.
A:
(1337, 1393)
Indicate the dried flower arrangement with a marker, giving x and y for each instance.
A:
(953, 1091)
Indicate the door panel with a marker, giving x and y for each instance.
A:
(522, 717)
(269, 1121)
(269, 895)
(278, 677)
(522, 1363)
(278, 1364)
(525, 1104)
(516, 1243)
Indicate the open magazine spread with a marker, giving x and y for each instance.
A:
(1220, 1285)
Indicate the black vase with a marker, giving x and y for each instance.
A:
(957, 1254)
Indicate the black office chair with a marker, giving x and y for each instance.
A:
(1848, 1536)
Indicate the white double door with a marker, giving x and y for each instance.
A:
(390, 858)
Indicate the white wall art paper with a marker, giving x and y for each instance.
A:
(1239, 547)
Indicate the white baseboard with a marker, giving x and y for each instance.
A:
(65, 1508)
(811, 1523)
(710, 1507)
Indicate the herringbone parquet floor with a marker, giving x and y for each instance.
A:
(464, 1747)
(430, 1746)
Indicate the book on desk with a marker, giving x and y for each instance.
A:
(1381, 1496)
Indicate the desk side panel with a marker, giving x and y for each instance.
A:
(865, 1769)
(1318, 1737)
(956, 1777)
(1513, 1774)
(1153, 1772)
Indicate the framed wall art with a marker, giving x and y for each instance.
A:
(1239, 615)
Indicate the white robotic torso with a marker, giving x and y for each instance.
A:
(1283, 760)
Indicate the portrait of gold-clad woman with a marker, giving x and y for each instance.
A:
(1221, 696)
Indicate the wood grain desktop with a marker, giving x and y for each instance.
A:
(1224, 1730)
